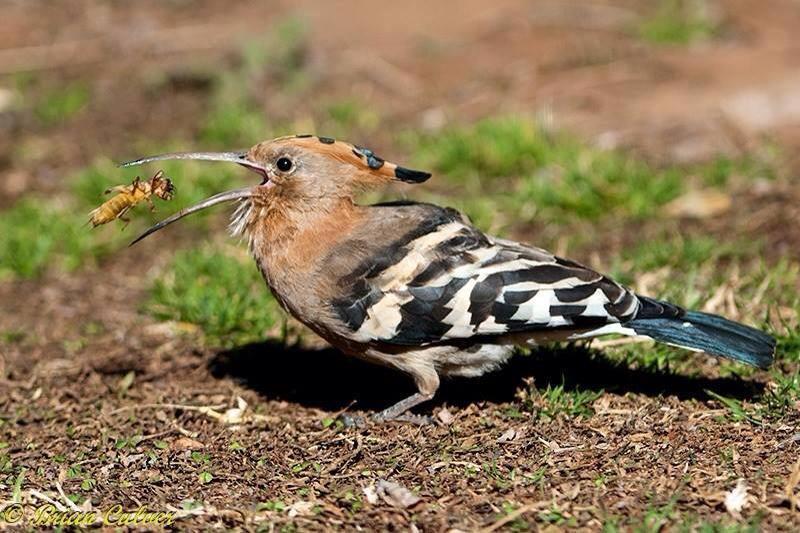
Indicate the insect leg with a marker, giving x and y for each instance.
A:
(115, 188)
(121, 216)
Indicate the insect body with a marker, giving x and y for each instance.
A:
(129, 196)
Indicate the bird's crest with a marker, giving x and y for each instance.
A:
(356, 155)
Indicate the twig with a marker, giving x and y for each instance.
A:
(72, 505)
(156, 435)
(791, 483)
(199, 408)
(45, 498)
(516, 514)
(342, 463)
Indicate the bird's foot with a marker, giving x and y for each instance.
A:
(357, 421)
(352, 421)
(410, 418)
(396, 413)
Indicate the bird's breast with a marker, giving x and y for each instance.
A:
(292, 253)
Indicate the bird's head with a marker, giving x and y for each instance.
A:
(301, 170)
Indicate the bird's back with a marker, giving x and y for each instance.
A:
(418, 274)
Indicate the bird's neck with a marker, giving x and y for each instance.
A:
(294, 237)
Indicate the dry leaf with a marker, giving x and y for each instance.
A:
(7, 99)
(235, 415)
(736, 500)
(301, 508)
(169, 329)
(508, 436)
(445, 417)
(699, 204)
(371, 494)
(395, 494)
(185, 443)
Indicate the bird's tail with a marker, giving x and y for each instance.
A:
(704, 332)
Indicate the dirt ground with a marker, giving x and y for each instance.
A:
(100, 400)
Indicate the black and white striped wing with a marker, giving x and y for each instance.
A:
(453, 282)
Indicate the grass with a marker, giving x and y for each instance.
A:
(348, 119)
(667, 517)
(678, 22)
(513, 166)
(235, 118)
(220, 291)
(60, 104)
(694, 270)
(552, 401)
(760, 292)
(279, 54)
(193, 181)
(678, 251)
(234, 123)
(495, 166)
(781, 398)
(37, 235)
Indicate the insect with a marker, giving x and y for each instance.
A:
(129, 196)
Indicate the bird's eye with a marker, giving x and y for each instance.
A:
(284, 164)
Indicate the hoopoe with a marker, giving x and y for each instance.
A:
(415, 286)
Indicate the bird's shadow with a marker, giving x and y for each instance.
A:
(329, 380)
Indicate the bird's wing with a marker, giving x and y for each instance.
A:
(445, 280)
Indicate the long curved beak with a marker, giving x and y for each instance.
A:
(227, 196)
(227, 157)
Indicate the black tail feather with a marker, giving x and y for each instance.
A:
(709, 333)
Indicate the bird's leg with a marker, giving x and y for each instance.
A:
(420, 366)
(398, 411)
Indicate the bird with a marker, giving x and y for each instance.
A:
(417, 287)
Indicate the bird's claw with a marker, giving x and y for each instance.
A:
(352, 421)
(356, 421)
(419, 420)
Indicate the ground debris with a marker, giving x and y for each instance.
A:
(185, 443)
(392, 493)
(445, 417)
(736, 499)
(706, 203)
(509, 435)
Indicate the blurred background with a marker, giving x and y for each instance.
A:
(655, 140)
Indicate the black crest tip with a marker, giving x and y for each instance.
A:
(411, 176)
